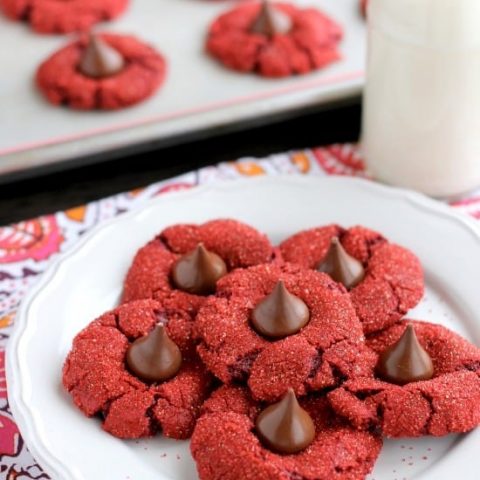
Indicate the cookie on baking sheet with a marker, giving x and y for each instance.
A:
(277, 326)
(105, 72)
(225, 444)
(447, 401)
(274, 39)
(107, 377)
(60, 16)
(391, 278)
(199, 254)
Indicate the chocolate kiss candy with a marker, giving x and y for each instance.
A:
(341, 266)
(198, 271)
(155, 357)
(280, 314)
(285, 426)
(100, 60)
(405, 361)
(271, 21)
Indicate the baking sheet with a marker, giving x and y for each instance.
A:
(199, 94)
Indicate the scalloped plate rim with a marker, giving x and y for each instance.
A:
(22, 414)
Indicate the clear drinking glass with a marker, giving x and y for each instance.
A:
(421, 117)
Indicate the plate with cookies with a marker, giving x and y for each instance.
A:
(274, 328)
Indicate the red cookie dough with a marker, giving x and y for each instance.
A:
(448, 403)
(96, 376)
(310, 44)
(393, 282)
(63, 84)
(238, 244)
(225, 446)
(327, 351)
(60, 16)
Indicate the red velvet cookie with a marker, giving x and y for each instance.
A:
(96, 375)
(393, 281)
(310, 44)
(225, 446)
(325, 352)
(448, 403)
(60, 16)
(149, 276)
(363, 7)
(62, 83)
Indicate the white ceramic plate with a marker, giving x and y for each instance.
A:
(199, 94)
(87, 281)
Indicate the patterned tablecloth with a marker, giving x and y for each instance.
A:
(27, 248)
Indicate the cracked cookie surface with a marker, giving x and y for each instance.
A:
(324, 353)
(149, 276)
(393, 281)
(96, 376)
(62, 83)
(225, 446)
(312, 42)
(448, 403)
(60, 16)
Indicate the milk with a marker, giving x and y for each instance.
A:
(421, 118)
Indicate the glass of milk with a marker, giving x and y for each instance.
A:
(421, 116)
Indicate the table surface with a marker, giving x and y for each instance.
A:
(48, 193)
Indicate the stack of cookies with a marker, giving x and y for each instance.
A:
(286, 362)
